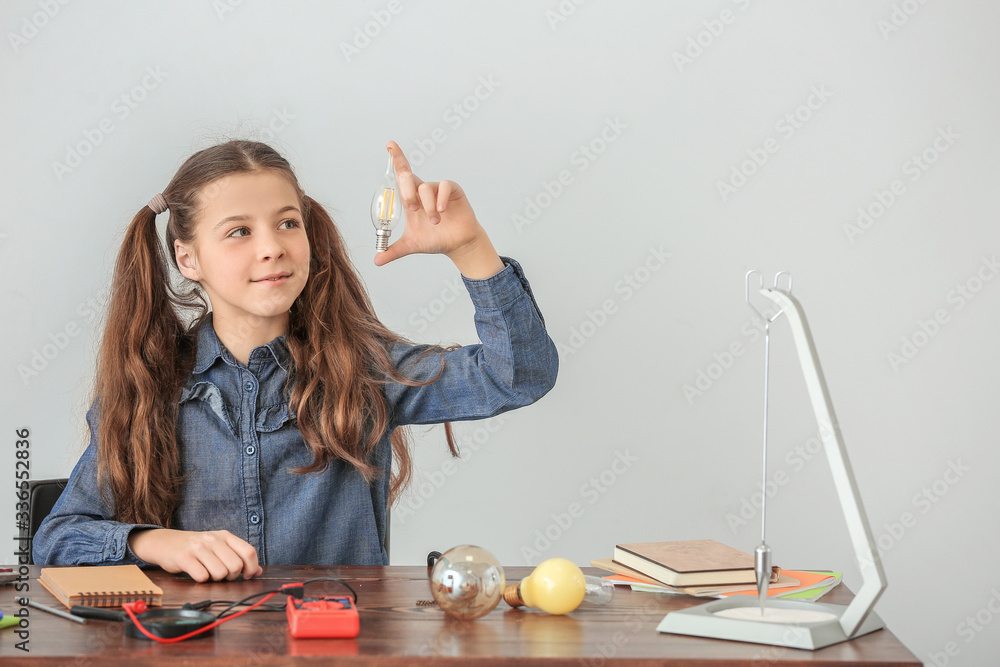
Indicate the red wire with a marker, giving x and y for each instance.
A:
(128, 607)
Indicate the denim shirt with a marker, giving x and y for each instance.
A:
(238, 443)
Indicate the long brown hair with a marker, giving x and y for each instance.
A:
(339, 350)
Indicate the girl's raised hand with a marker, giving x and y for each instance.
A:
(439, 219)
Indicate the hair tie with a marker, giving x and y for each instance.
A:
(158, 204)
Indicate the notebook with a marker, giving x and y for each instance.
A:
(626, 575)
(100, 585)
(689, 562)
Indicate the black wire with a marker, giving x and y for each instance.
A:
(339, 581)
(244, 601)
(207, 604)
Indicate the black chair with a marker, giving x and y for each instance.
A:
(42, 496)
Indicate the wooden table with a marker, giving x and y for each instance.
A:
(395, 631)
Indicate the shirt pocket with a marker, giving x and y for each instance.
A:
(211, 395)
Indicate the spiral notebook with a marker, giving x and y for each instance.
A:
(100, 585)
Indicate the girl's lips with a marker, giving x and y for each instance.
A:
(275, 281)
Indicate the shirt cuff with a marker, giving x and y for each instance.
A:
(117, 549)
(501, 289)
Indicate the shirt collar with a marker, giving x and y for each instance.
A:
(211, 348)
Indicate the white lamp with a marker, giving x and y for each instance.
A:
(805, 625)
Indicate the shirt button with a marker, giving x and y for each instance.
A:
(250, 450)
(248, 386)
(254, 519)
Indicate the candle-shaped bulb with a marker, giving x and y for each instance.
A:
(386, 207)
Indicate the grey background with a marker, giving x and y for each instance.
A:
(884, 79)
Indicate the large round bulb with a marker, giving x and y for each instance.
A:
(556, 586)
(386, 207)
(467, 582)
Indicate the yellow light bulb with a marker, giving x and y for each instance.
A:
(556, 586)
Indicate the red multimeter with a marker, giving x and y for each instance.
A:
(323, 616)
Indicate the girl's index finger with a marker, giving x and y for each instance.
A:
(407, 180)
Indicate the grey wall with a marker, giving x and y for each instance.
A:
(647, 113)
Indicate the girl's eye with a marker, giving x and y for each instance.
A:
(240, 232)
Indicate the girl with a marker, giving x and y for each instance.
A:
(264, 431)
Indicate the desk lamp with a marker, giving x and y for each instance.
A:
(791, 623)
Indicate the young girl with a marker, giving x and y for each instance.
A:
(264, 432)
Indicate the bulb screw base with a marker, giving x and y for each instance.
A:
(512, 595)
(382, 239)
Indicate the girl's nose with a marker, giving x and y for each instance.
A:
(270, 246)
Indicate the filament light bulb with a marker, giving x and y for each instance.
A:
(558, 586)
(467, 582)
(386, 207)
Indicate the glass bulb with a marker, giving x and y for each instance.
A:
(599, 590)
(558, 586)
(386, 207)
(467, 582)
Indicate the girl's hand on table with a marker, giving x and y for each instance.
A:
(203, 555)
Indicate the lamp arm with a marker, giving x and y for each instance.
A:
(865, 550)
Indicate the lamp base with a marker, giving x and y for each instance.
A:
(704, 621)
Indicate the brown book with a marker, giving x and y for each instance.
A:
(611, 566)
(778, 580)
(689, 562)
(100, 585)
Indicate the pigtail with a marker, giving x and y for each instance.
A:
(140, 372)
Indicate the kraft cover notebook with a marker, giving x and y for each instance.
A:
(100, 585)
(689, 562)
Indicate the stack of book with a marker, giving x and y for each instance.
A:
(705, 568)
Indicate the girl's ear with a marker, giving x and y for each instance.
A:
(187, 262)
